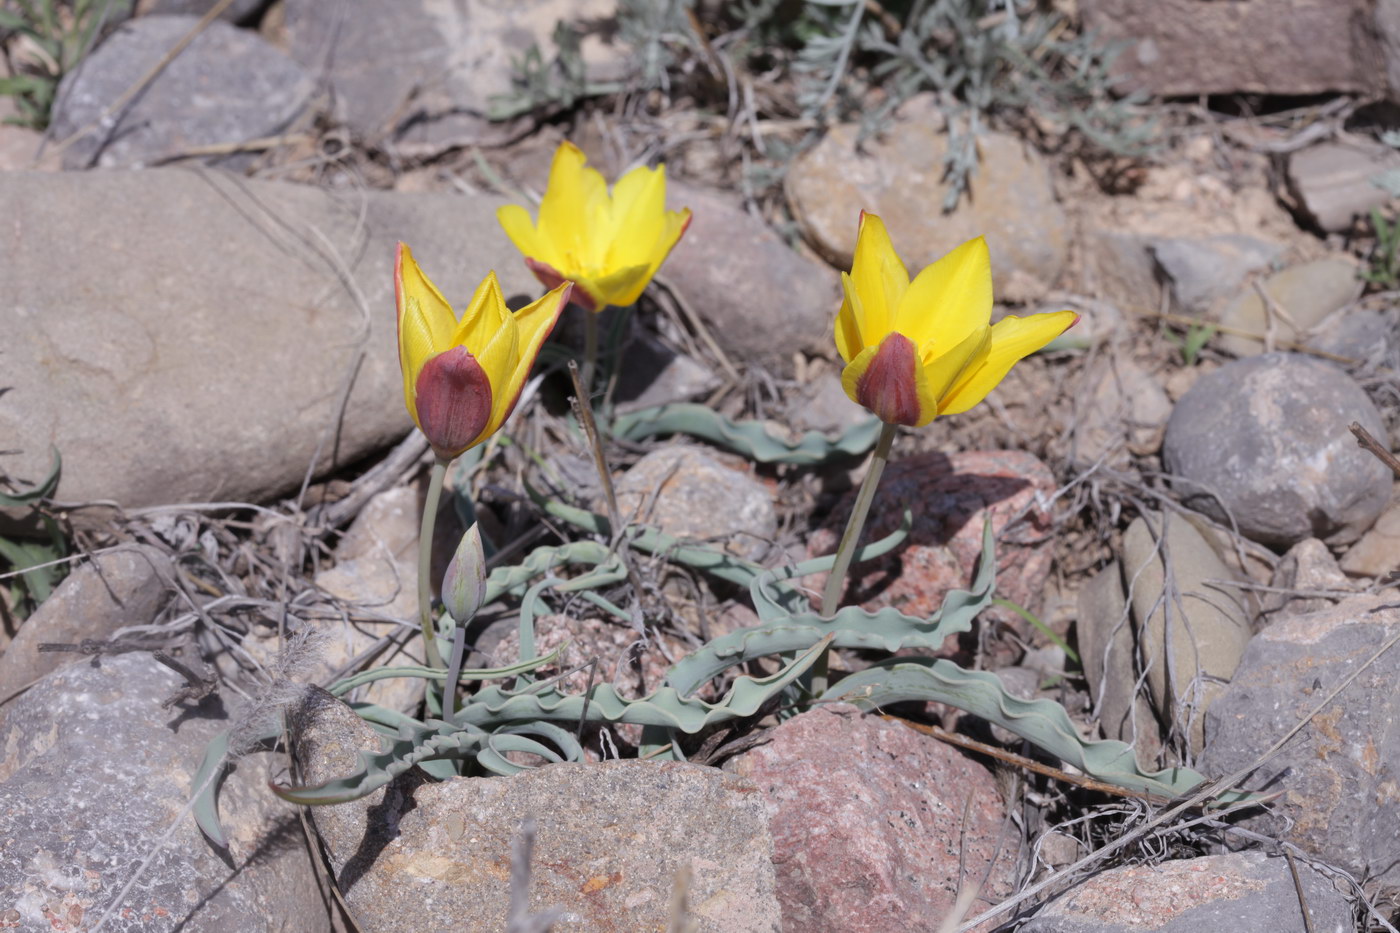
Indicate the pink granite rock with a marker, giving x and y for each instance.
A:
(948, 495)
(867, 818)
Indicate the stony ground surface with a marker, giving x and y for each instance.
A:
(1195, 554)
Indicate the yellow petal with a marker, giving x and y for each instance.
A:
(574, 199)
(621, 288)
(879, 279)
(499, 358)
(484, 316)
(533, 324)
(1011, 340)
(949, 299)
(847, 329)
(426, 321)
(638, 217)
(944, 369)
(516, 222)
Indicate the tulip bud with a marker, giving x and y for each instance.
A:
(464, 585)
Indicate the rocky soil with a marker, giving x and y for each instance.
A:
(1195, 554)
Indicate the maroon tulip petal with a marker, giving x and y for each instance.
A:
(453, 399)
(889, 386)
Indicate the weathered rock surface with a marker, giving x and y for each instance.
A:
(227, 86)
(1307, 579)
(948, 495)
(1339, 775)
(1265, 439)
(1245, 892)
(1377, 553)
(236, 12)
(611, 837)
(422, 75)
(1370, 336)
(1123, 411)
(1203, 271)
(1190, 636)
(1307, 293)
(125, 586)
(868, 823)
(1108, 647)
(689, 494)
(185, 336)
(1186, 47)
(95, 777)
(1334, 181)
(761, 300)
(900, 177)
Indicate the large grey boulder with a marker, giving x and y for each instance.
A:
(94, 781)
(228, 86)
(186, 335)
(1264, 441)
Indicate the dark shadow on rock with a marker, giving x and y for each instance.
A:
(382, 827)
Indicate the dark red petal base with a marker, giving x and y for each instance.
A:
(888, 387)
(453, 398)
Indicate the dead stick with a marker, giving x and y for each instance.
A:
(1365, 441)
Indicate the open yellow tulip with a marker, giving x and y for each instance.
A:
(461, 379)
(609, 245)
(916, 350)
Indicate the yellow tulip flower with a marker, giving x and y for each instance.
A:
(461, 379)
(917, 350)
(609, 245)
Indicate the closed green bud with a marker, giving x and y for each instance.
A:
(464, 586)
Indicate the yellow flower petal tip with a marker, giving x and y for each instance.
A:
(463, 377)
(610, 244)
(918, 349)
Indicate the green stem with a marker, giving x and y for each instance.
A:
(590, 349)
(425, 562)
(845, 551)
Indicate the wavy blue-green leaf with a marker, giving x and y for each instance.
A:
(1044, 723)
(753, 439)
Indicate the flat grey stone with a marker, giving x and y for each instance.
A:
(95, 777)
(1338, 775)
(1191, 634)
(1265, 439)
(184, 335)
(126, 586)
(611, 836)
(1307, 293)
(423, 75)
(1204, 270)
(227, 86)
(1245, 892)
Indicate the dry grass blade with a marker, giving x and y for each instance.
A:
(1365, 441)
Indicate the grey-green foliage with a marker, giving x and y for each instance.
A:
(530, 715)
(63, 31)
(980, 58)
(753, 439)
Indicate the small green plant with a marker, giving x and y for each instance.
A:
(1384, 267)
(28, 566)
(43, 40)
(1193, 341)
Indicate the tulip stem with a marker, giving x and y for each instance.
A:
(590, 352)
(845, 551)
(425, 563)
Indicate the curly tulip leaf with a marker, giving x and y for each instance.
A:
(753, 439)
